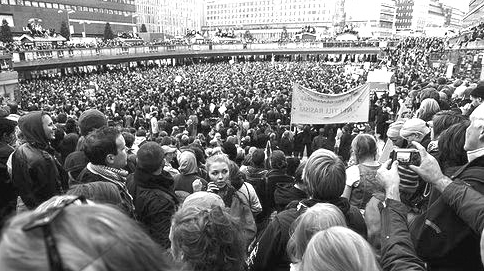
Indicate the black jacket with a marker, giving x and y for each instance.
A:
(270, 253)
(8, 195)
(286, 193)
(36, 173)
(274, 177)
(155, 203)
(449, 243)
(397, 250)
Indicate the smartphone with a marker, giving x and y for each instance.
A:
(406, 157)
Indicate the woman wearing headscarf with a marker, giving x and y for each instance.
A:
(189, 173)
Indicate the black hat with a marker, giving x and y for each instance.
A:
(478, 92)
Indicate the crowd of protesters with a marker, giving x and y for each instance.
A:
(196, 168)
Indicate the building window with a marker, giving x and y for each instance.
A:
(35, 3)
(4, 2)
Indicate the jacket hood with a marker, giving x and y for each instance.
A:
(285, 193)
(32, 128)
(147, 180)
(188, 163)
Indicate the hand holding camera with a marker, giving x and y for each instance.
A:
(389, 179)
(429, 168)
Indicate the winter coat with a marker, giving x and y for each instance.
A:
(155, 203)
(450, 243)
(286, 193)
(189, 172)
(275, 177)
(8, 195)
(397, 250)
(270, 253)
(36, 173)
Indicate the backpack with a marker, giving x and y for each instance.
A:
(242, 211)
(259, 181)
(439, 230)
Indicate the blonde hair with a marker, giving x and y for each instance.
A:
(95, 236)
(319, 217)
(217, 158)
(427, 109)
(364, 146)
(339, 249)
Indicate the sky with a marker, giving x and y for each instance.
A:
(459, 4)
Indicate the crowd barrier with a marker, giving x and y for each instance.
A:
(80, 53)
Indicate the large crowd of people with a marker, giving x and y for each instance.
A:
(197, 167)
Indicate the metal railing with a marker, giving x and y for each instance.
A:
(84, 53)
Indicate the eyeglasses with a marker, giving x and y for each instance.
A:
(44, 220)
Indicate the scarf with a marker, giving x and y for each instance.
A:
(114, 175)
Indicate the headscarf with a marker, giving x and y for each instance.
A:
(33, 130)
(188, 163)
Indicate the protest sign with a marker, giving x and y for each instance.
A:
(310, 107)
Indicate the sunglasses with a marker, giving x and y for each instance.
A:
(43, 221)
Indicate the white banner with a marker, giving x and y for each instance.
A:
(379, 76)
(310, 107)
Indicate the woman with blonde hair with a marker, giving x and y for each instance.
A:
(339, 249)
(60, 235)
(428, 108)
(317, 218)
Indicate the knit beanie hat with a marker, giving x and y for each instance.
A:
(90, 120)
(414, 125)
(394, 128)
(150, 157)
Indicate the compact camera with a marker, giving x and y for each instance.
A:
(406, 157)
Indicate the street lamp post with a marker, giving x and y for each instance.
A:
(67, 11)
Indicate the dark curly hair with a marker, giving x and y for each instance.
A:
(207, 240)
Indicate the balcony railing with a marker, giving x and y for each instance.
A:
(90, 53)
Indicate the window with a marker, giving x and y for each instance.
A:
(13, 2)
(35, 3)
(4, 2)
(55, 5)
(42, 4)
(61, 6)
(48, 5)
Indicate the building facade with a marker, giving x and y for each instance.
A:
(87, 16)
(265, 19)
(475, 14)
(170, 17)
(419, 16)
(376, 18)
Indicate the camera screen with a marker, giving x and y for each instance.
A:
(403, 157)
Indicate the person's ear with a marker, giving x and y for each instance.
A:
(109, 159)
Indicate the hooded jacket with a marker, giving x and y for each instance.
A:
(188, 172)
(286, 193)
(155, 203)
(36, 173)
(270, 253)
